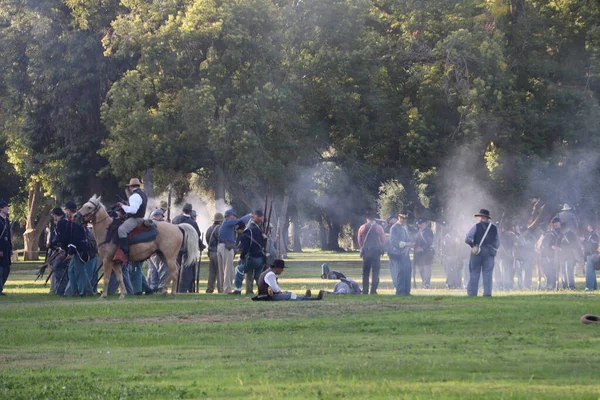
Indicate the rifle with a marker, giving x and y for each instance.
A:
(51, 255)
(198, 273)
(169, 203)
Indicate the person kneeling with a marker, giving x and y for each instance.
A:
(268, 288)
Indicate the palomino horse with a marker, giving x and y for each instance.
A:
(167, 245)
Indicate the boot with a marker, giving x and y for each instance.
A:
(324, 271)
(124, 245)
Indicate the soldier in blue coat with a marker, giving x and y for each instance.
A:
(252, 258)
(484, 241)
(5, 245)
(78, 254)
(61, 235)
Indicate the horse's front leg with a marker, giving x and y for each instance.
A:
(118, 268)
(108, 270)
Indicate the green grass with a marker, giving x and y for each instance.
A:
(437, 344)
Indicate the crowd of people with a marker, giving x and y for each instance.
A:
(503, 256)
(506, 256)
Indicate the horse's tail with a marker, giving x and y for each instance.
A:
(190, 244)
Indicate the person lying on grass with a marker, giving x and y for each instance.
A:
(268, 288)
(344, 286)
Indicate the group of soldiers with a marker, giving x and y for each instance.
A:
(73, 250)
(511, 256)
(499, 253)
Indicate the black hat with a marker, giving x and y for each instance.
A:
(3, 204)
(278, 264)
(71, 205)
(58, 212)
(371, 214)
(421, 221)
(483, 213)
(259, 213)
(555, 220)
(187, 207)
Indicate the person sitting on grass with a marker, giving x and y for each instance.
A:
(268, 287)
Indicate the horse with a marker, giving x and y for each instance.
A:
(167, 245)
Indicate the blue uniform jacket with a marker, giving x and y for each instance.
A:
(252, 242)
(5, 237)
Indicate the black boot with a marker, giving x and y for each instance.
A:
(124, 245)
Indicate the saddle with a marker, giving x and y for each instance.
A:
(144, 233)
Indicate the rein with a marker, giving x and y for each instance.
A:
(92, 214)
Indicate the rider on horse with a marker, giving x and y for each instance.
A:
(135, 212)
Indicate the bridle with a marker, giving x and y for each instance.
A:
(92, 214)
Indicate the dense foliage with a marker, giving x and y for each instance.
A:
(331, 105)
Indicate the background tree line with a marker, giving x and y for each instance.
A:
(332, 106)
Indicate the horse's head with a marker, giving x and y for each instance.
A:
(88, 211)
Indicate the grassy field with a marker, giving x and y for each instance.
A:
(436, 344)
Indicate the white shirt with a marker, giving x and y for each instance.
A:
(271, 280)
(135, 201)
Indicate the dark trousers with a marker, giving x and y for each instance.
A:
(371, 262)
(60, 276)
(550, 271)
(214, 280)
(524, 273)
(453, 267)
(4, 269)
(425, 272)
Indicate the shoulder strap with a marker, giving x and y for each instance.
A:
(369, 231)
(5, 224)
(485, 234)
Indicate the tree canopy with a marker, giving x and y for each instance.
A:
(336, 106)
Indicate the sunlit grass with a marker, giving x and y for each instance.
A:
(436, 344)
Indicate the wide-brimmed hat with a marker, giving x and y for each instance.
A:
(164, 204)
(218, 217)
(158, 211)
(4, 204)
(187, 207)
(134, 182)
(566, 207)
(71, 205)
(278, 263)
(371, 214)
(483, 213)
(57, 211)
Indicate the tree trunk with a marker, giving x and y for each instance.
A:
(296, 232)
(219, 184)
(323, 234)
(355, 228)
(33, 229)
(334, 234)
(285, 224)
(148, 183)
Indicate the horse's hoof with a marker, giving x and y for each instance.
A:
(101, 297)
(164, 293)
(122, 297)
